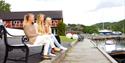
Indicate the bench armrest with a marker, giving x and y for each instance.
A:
(23, 39)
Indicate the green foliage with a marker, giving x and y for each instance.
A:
(65, 39)
(115, 26)
(90, 29)
(4, 7)
(61, 28)
(75, 28)
(100, 25)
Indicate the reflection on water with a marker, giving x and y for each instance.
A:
(118, 45)
(116, 49)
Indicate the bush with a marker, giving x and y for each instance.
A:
(61, 28)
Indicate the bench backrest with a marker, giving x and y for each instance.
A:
(3, 34)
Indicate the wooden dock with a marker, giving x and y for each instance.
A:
(85, 52)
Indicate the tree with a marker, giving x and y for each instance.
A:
(61, 28)
(115, 26)
(4, 7)
(75, 28)
(90, 29)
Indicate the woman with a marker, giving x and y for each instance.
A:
(40, 28)
(48, 23)
(34, 37)
(39, 25)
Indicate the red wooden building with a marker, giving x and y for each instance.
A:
(15, 19)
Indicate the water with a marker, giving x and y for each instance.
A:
(118, 45)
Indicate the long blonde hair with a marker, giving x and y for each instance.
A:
(24, 20)
(26, 17)
(40, 23)
(48, 26)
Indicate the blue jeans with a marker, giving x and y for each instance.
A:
(55, 42)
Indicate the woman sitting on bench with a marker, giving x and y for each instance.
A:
(34, 37)
(48, 23)
(44, 28)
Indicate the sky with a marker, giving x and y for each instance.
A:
(86, 12)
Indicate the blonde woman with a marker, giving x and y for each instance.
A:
(40, 28)
(48, 23)
(34, 37)
(39, 25)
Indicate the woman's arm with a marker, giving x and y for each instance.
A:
(36, 27)
(30, 31)
(48, 29)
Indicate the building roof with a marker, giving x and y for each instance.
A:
(20, 15)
